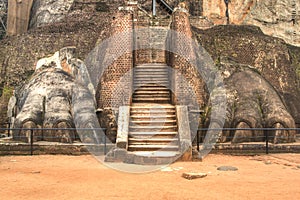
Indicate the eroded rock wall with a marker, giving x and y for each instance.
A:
(3, 17)
(18, 54)
(272, 58)
(278, 18)
(44, 12)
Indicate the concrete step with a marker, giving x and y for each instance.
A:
(153, 147)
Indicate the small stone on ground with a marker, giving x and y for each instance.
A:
(193, 175)
(227, 168)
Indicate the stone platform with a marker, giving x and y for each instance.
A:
(9, 147)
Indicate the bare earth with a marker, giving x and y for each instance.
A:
(83, 177)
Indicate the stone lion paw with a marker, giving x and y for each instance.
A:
(54, 100)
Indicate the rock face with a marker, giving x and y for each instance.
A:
(3, 17)
(270, 57)
(56, 96)
(279, 18)
(18, 54)
(260, 73)
(49, 11)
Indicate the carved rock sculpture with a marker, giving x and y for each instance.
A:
(57, 96)
(253, 103)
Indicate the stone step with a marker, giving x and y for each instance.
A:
(152, 122)
(151, 71)
(149, 74)
(151, 80)
(141, 141)
(153, 76)
(169, 128)
(159, 154)
(152, 92)
(151, 96)
(152, 65)
(151, 88)
(151, 100)
(147, 135)
(149, 117)
(145, 86)
(152, 105)
(152, 85)
(153, 147)
(154, 108)
(159, 112)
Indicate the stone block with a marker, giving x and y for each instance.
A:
(123, 127)
(193, 175)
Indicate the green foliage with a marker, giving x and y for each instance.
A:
(7, 91)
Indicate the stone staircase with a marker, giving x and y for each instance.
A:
(153, 125)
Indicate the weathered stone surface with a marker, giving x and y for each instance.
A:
(3, 17)
(55, 97)
(241, 52)
(227, 168)
(18, 54)
(123, 128)
(279, 18)
(48, 11)
(184, 132)
(193, 175)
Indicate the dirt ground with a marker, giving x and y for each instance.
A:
(83, 177)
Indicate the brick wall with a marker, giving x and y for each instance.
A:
(115, 84)
(187, 84)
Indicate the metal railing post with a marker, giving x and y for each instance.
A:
(105, 151)
(197, 140)
(267, 142)
(8, 131)
(31, 142)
